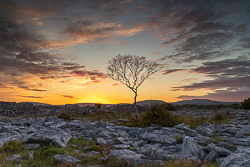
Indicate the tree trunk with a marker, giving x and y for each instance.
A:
(136, 111)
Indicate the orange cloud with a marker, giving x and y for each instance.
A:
(99, 32)
(116, 84)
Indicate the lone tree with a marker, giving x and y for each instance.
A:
(131, 71)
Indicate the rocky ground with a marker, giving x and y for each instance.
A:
(228, 144)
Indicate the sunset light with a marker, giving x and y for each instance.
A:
(56, 52)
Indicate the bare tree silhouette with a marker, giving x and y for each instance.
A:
(131, 71)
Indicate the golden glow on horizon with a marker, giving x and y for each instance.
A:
(96, 99)
(81, 90)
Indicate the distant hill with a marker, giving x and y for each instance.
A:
(203, 102)
(92, 104)
(149, 102)
(38, 104)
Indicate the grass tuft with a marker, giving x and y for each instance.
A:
(12, 146)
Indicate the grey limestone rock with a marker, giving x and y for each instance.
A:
(239, 134)
(240, 159)
(92, 153)
(101, 141)
(126, 154)
(189, 132)
(16, 157)
(122, 134)
(206, 130)
(65, 158)
(121, 146)
(31, 146)
(162, 155)
(241, 141)
(203, 139)
(150, 137)
(220, 150)
(191, 148)
(57, 142)
(31, 155)
(164, 139)
(211, 157)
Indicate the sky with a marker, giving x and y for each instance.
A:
(56, 51)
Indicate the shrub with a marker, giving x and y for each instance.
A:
(98, 105)
(179, 139)
(219, 116)
(218, 139)
(52, 151)
(245, 104)
(65, 116)
(170, 107)
(107, 159)
(158, 115)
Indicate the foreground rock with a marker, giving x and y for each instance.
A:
(152, 144)
(191, 148)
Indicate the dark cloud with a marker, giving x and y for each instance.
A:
(211, 27)
(228, 73)
(107, 5)
(202, 43)
(33, 12)
(55, 77)
(245, 42)
(68, 96)
(228, 67)
(222, 95)
(241, 28)
(165, 72)
(29, 89)
(92, 74)
(201, 32)
(218, 83)
(91, 31)
(22, 54)
(21, 50)
(200, 29)
(37, 97)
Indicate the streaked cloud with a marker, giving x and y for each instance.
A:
(165, 72)
(69, 96)
(36, 97)
(116, 84)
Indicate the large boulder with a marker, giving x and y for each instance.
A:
(222, 151)
(233, 160)
(59, 138)
(191, 148)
